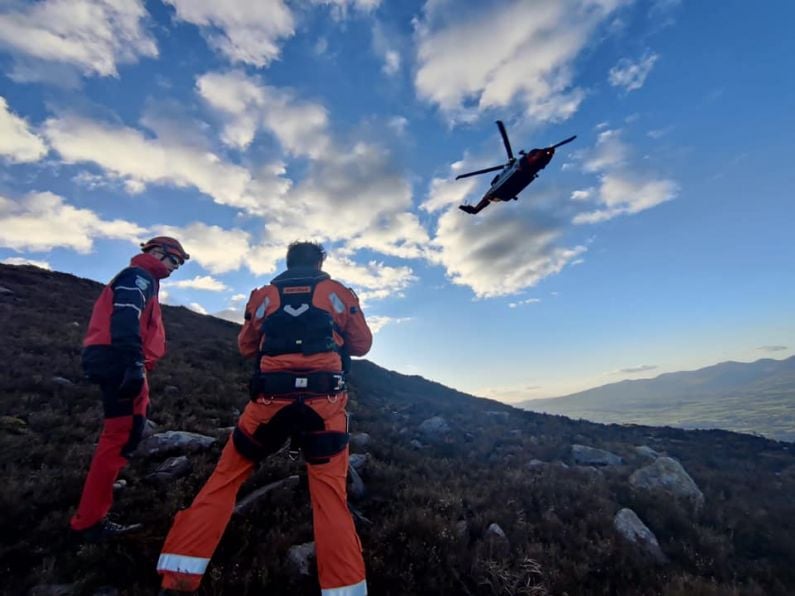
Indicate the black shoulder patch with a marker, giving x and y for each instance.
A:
(354, 310)
(247, 316)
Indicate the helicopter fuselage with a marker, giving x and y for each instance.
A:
(517, 175)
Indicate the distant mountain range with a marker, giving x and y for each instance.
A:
(755, 397)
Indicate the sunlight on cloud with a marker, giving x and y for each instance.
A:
(196, 307)
(247, 105)
(24, 261)
(200, 282)
(378, 322)
(490, 55)
(17, 142)
(500, 252)
(126, 153)
(621, 190)
(373, 281)
(92, 36)
(214, 248)
(632, 75)
(241, 30)
(43, 221)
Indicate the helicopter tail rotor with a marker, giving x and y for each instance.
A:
(505, 140)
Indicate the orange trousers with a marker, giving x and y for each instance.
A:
(197, 530)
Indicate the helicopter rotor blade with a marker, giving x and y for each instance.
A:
(505, 140)
(495, 168)
(569, 140)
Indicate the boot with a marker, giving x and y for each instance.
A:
(106, 529)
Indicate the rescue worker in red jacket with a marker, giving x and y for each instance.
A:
(125, 339)
(301, 328)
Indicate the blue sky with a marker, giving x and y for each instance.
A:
(659, 240)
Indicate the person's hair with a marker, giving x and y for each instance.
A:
(305, 254)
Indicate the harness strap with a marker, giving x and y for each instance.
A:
(287, 383)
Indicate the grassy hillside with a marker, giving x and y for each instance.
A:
(427, 506)
(755, 397)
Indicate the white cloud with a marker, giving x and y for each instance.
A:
(398, 124)
(340, 7)
(126, 153)
(24, 261)
(200, 282)
(43, 221)
(385, 47)
(248, 105)
(501, 251)
(632, 75)
(91, 36)
(214, 248)
(196, 307)
(373, 281)
(491, 55)
(444, 192)
(626, 193)
(378, 322)
(241, 30)
(622, 188)
(17, 142)
(524, 302)
(234, 311)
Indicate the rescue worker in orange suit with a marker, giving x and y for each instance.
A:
(125, 339)
(301, 328)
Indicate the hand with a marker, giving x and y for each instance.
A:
(132, 382)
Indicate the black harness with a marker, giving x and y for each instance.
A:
(297, 327)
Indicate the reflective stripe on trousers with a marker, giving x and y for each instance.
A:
(182, 564)
(359, 589)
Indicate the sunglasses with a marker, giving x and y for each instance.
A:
(174, 260)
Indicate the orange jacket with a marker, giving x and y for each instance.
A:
(353, 333)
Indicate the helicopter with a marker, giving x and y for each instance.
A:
(516, 174)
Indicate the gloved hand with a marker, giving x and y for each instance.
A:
(132, 382)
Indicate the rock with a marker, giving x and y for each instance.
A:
(647, 451)
(416, 444)
(515, 433)
(590, 456)
(358, 517)
(13, 425)
(434, 428)
(171, 390)
(62, 382)
(461, 528)
(666, 475)
(495, 531)
(171, 469)
(249, 500)
(300, 557)
(358, 461)
(629, 525)
(53, 590)
(356, 489)
(6, 291)
(74, 324)
(535, 463)
(150, 428)
(360, 440)
(120, 484)
(174, 439)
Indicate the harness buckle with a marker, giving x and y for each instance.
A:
(332, 399)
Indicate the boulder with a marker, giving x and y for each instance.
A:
(495, 532)
(356, 489)
(435, 428)
(174, 439)
(358, 461)
(171, 469)
(300, 557)
(62, 382)
(360, 440)
(646, 451)
(629, 525)
(590, 456)
(416, 444)
(6, 291)
(667, 476)
(13, 425)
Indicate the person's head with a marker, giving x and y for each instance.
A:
(167, 250)
(305, 254)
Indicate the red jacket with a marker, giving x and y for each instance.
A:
(126, 326)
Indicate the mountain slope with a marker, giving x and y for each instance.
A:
(756, 397)
(428, 506)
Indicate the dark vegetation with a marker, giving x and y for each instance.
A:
(558, 520)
